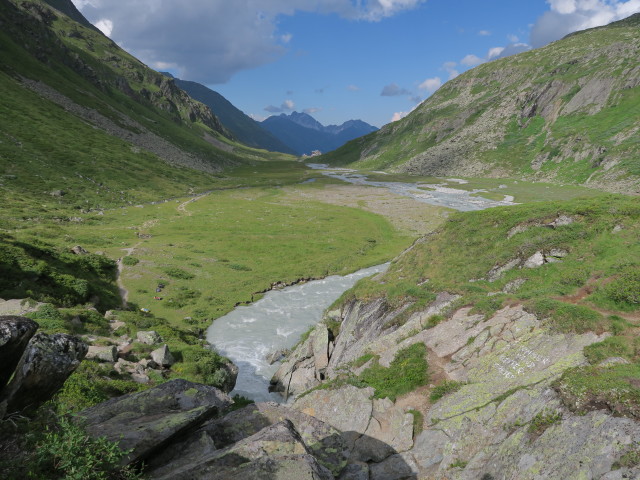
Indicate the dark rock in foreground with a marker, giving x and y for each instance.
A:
(15, 333)
(146, 422)
(45, 365)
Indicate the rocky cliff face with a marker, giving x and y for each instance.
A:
(564, 112)
(505, 418)
(523, 382)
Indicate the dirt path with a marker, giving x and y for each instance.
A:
(182, 208)
(124, 293)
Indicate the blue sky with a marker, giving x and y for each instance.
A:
(336, 59)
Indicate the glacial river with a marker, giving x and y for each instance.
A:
(433, 194)
(248, 334)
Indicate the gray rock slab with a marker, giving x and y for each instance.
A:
(348, 409)
(276, 451)
(162, 356)
(146, 422)
(103, 354)
(322, 440)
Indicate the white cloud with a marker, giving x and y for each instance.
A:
(211, 40)
(484, 33)
(494, 52)
(399, 116)
(567, 16)
(450, 68)
(105, 26)
(513, 38)
(471, 60)
(353, 88)
(311, 110)
(286, 38)
(431, 84)
(287, 105)
(394, 90)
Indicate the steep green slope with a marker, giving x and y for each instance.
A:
(84, 125)
(243, 127)
(567, 112)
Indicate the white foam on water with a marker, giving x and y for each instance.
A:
(249, 333)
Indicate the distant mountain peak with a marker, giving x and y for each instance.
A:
(304, 134)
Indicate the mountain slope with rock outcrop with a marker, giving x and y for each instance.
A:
(244, 128)
(566, 112)
(84, 125)
(502, 346)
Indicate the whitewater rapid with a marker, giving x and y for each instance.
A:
(248, 334)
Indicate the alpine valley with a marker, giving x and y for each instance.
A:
(496, 337)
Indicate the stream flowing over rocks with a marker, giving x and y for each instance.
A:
(249, 335)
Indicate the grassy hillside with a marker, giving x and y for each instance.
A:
(83, 125)
(566, 112)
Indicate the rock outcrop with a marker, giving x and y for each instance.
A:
(503, 419)
(15, 333)
(45, 364)
(147, 421)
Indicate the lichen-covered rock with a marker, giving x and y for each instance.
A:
(15, 333)
(323, 441)
(145, 422)
(149, 338)
(348, 409)
(46, 363)
(275, 452)
(103, 354)
(162, 356)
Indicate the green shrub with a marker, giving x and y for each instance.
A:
(69, 453)
(568, 318)
(175, 272)
(50, 319)
(130, 261)
(625, 289)
(609, 347)
(93, 383)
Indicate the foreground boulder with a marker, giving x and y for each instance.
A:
(15, 333)
(146, 422)
(45, 365)
(275, 452)
(322, 440)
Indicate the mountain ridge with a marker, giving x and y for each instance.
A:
(304, 134)
(243, 127)
(562, 113)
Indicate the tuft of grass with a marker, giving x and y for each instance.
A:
(418, 422)
(406, 372)
(613, 387)
(446, 387)
(543, 420)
